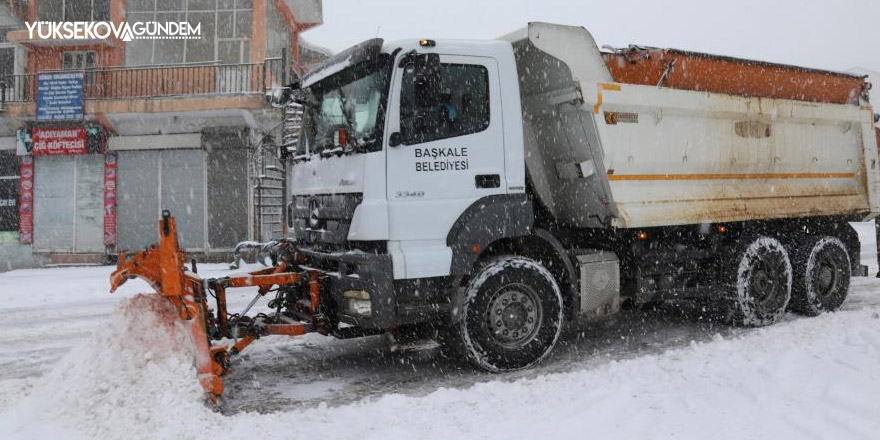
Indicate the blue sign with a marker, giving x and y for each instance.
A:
(60, 96)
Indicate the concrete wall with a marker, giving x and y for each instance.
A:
(14, 255)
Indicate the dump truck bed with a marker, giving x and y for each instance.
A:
(601, 152)
(685, 70)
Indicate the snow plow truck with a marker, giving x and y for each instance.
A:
(487, 192)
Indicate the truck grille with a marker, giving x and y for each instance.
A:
(323, 220)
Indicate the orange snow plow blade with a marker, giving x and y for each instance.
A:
(162, 266)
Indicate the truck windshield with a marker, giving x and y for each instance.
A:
(346, 113)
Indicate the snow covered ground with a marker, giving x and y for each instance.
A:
(76, 362)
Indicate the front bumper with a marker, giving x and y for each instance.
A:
(358, 271)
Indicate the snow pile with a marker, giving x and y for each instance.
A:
(810, 378)
(56, 286)
(125, 382)
(61, 285)
(803, 378)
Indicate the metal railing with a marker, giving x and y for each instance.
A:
(159, 81)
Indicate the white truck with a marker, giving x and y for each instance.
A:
(493, 190)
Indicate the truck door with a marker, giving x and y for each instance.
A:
(443, 155)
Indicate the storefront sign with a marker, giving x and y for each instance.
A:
(60, 96)
(58, 141)
(110, 199)
(26, 201)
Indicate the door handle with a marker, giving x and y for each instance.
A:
(487, 180)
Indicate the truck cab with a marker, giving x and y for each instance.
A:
(405, 146)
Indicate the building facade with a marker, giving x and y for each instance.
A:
(99, 135)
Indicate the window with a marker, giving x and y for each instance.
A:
(9, 176)
(7, 62)
(353, 101)
(80, 60)
(464, 107)
(277, 33)
(73, 10)
(225, 27)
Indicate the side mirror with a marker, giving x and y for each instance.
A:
(427, 80)
(396, 139)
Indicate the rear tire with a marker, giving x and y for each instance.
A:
(762, 282)
(822, 276)
(511, 315)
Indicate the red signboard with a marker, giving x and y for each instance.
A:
(58, 141)
(26, 201)
(110, 199)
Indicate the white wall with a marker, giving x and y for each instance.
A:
(307, 11)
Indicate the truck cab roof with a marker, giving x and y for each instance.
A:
(371, 49)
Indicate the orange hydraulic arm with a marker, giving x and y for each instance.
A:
(162, 266)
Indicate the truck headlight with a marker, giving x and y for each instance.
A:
(357, 303)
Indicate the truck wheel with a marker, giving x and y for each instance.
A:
(762, 283)
(822, 276)
(511, 315)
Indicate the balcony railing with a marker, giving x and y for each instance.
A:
(159, 81)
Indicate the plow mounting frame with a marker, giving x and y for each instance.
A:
(299, 305)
